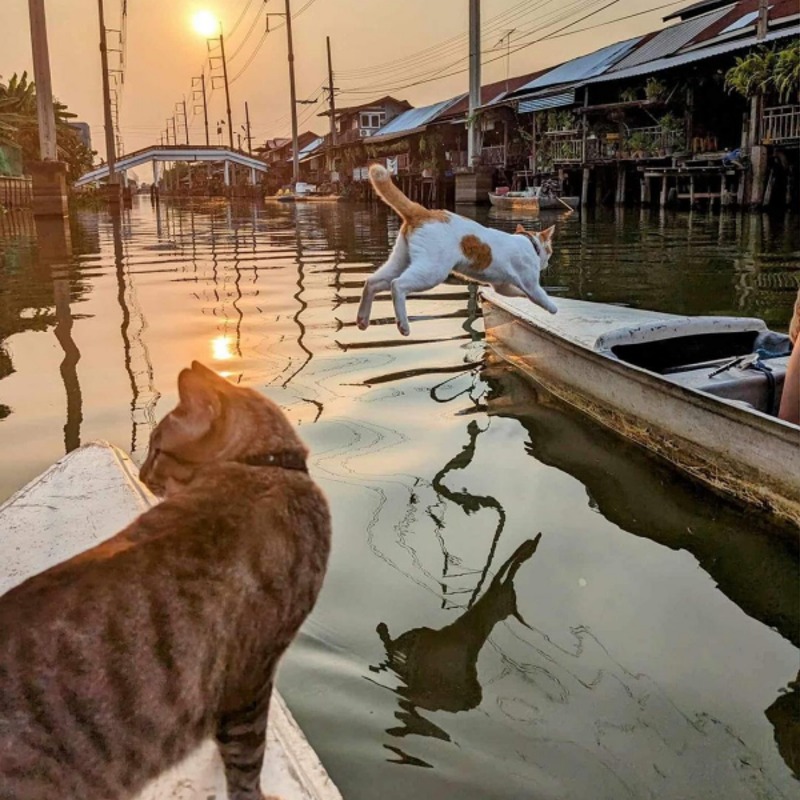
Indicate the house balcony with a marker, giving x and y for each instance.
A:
(355, 135)
(780, 124)
(565, 147)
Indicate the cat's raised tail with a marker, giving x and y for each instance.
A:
(382, 182)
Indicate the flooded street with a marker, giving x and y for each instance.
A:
(519, 604)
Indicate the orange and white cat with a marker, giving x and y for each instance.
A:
(432, 244)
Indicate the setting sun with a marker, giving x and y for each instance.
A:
(205, 23)
(221, 348)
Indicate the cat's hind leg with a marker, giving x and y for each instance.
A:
(241, 737)
(381, 280)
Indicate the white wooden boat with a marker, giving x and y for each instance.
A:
(687, 388)
(83, 499)
(532, 200)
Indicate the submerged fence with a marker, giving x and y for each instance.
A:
(16, 192)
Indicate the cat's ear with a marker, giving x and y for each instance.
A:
(519, 229)
(200, 403)
(204, 372)
(547, 235)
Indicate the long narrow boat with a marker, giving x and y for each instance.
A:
(80, 501)
(700, 392)
(533, 201)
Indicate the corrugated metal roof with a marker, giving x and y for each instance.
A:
(551, 101)
(694, 55)
(669, 41)
(414, 118)
(583, 67)
(306, 151)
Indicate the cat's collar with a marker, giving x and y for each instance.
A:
(289, 459)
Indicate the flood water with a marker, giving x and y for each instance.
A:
(518, 604)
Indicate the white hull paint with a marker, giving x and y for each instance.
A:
(743, 453)
(83, 499)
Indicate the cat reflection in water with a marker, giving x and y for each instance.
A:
(116, 664)
(439, 667)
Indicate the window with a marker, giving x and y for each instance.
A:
(372, 121)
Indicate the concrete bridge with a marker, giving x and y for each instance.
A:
(178, 152)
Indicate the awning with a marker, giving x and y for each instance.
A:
(551, 101)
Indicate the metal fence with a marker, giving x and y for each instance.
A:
(780, 124)
(16, 192)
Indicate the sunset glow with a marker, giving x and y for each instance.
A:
(221, 348)
(205, 23)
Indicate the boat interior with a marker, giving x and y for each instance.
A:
(734, 359)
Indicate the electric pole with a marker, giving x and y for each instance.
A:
(185, 121)
(41, 74)
(474, 133)
(227, 87)
(763, 19)
(293, 97)
(249, 137)
(109, 124)
(331, 90)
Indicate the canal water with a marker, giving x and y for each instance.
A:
(519, 604)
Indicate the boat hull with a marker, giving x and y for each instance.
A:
(744, 454)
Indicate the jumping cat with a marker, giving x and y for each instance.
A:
(432, 244)
(117, 663)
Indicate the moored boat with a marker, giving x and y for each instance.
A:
(701, 392)
(83, 499)
(533, 200)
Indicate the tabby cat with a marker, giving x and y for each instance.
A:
(116, 664)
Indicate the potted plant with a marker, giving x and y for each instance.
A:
(628, 95)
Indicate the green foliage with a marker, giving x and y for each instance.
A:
(787, 72)
(19, 126)
(628, 94)
(654, 89)
(767, 71)
(639, 143)
(669, 122)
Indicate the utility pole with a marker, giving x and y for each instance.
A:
(474, 134)
(331, 90)
(249, 137)
(227, 87)
(763, 19)
(331, 104)
(109, 124)
(293, 97)
(41, 74)
(174, 131)
(185, 121)
(202, 80)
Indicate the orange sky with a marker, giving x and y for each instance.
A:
(164, 53)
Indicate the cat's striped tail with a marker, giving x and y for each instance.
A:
(384, 186)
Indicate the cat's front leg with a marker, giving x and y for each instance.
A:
(241, 737)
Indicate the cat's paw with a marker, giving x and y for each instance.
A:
(404, 329)
(362, 322)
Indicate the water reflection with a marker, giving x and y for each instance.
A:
(55, 250)
(646, 498)
(439, 668)
(497, 677)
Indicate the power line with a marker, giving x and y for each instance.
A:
(439, 75)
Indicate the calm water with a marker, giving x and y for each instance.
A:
(519, 605)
